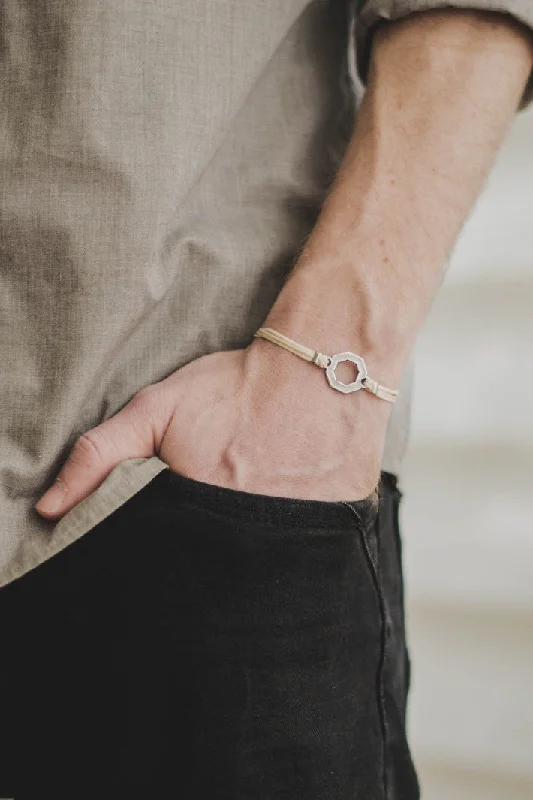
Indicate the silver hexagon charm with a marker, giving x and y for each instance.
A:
(355, 385)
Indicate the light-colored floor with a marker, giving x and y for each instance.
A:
(468, 512)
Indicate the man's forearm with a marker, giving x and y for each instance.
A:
(442, 89)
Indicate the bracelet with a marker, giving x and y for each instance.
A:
(330, 363)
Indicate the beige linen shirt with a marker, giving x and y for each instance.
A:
(160, 165)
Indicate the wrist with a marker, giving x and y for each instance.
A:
(283, 378)
(298, 394)
(331, 310)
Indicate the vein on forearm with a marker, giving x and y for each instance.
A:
(443, 87)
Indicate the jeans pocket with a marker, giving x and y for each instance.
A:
(279, 590)
(248, 624)
(268, 510)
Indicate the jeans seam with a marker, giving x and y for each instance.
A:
(373, 568)
(399, 550)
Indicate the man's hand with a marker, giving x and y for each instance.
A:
(442, 89)
(258, 420)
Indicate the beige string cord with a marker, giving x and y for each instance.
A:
(330, 363)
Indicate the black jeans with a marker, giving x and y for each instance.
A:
(207, 643)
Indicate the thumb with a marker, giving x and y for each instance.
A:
(131, 433)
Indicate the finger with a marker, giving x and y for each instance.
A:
(131, 433)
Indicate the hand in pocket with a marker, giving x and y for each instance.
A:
(259, 420)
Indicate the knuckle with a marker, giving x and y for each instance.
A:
(149, 409)
(145, 400)
(87, 448)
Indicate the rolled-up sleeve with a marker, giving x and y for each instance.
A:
(366, 14)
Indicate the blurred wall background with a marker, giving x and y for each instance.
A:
(468, 508)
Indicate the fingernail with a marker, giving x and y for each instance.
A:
(52, 500)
